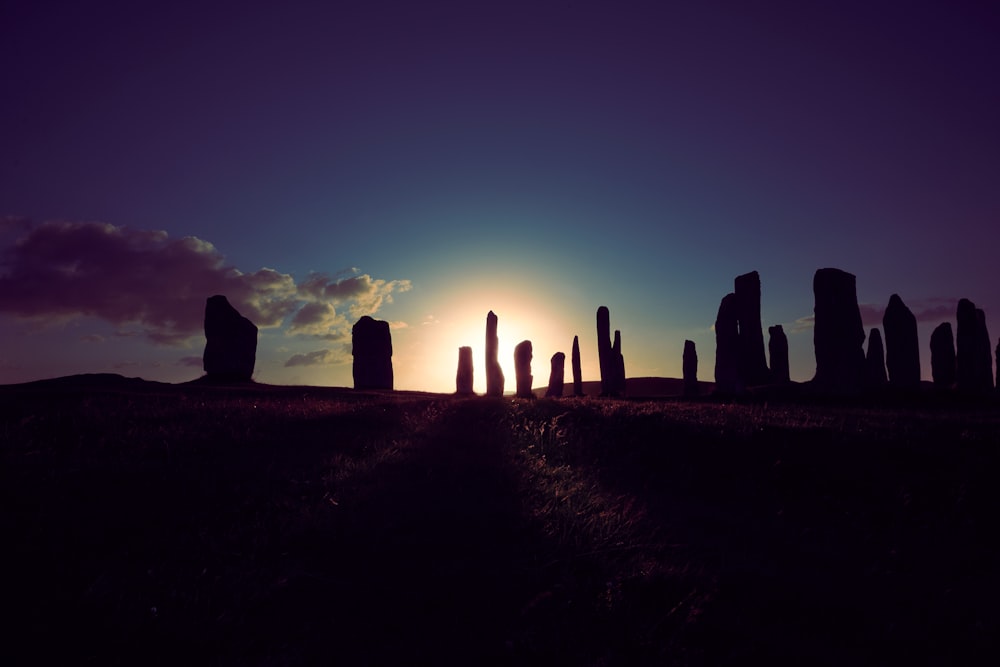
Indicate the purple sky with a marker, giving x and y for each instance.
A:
(428, 162)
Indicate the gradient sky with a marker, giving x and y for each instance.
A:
(428, 162)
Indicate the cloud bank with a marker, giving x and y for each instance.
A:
(57, 271)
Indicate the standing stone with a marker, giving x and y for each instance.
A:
(838, 335)
(875, 376)
(522, 369)
(985, 365)
(372, 350)
(974, 372)
(753, 363)
(943, 356)
(689, 364)
(727, 348)
(556, 375)
(777, 349)
(577, 369)
(463, 378)
(902, 347)
(619, 366)
(494, 374)
(997, 358)
(230, 341)
(604, 354)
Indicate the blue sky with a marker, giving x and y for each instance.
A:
(539, 160)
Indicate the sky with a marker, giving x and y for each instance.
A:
(425, 163)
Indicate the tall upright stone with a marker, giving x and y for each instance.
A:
(777, 348)
(838, 335)
(974, 372)
(875, 376)
(997, 358)
(604, 353)
(577, 368)
(494, 374)
(522, 369)
(985, 365)
(753, 363)
(557, 375)
(618, 389)
(727, 347)
(371, 345)
(689, 365)
(902, 347)
(943, 356)
(463, 378)
(230, 342)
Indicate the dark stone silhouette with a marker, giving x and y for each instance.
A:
(689, 364)
(902, 347)
(753, 363)
(494, 374)
(974, 372)
(619, 366)
(577, 370)
(604, 353)
(522, 369)
(777, 349)
(557, 375)
(230, 342)
(727, 348)
(463, 378)
(875, 376)
(997, 358)
(372, 350)
(943, 356)
(838, 335)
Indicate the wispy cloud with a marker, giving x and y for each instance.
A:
(317, 358)
(56, 271)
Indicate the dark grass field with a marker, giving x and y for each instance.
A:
(190, 524)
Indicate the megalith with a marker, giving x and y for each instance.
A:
(230, 341)
(463, 378)
(619, 366)
(577, 368)
(943, 356)
(372, 349)
(974, 372)
(689, 366)
(838, 335)
(753, 363)
(604, 353)
(556, 375)
(875, 376)
(777, 349)
(727, 347)
(902, 347)
(522, 369)
(494, 374)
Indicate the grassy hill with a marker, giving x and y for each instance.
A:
(164, 524)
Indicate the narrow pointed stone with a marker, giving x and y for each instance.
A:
(577, 369)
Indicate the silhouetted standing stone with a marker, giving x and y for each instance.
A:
(494, 374)
(557, 375)
(604, 354)
(943, 356)
(753, 364)
(902, 348)
(727, 348)
(522, 369)
(838, 335)
(875, 375)
(689, 364)
(463, 378)
(372, 350)
(230, 341)
(997, 358)
(618, 388)
(974, 372)
(777, 349)
(577, 369)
